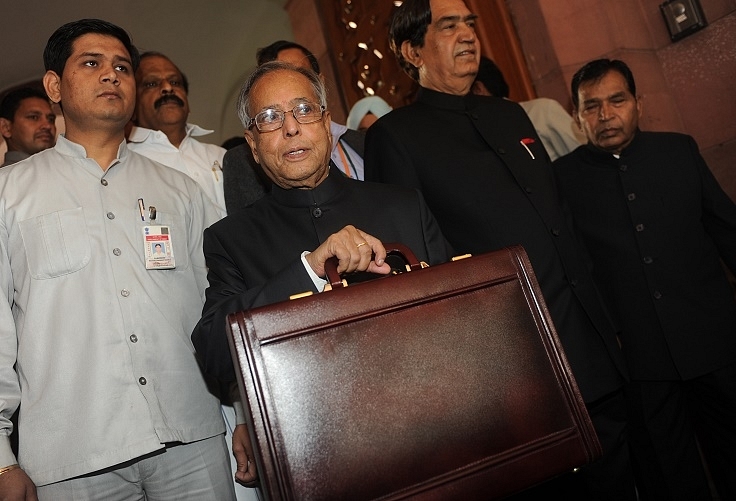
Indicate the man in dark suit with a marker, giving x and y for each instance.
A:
(244, 180)
(657, 226)
(487, 178)
(278, 246)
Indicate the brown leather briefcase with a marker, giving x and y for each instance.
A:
(442, 383)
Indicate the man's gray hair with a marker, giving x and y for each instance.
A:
(243, 106)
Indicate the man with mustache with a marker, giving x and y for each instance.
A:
(163, 134)
(658, 227)
(161, 130)
(486, 177)
(27, 123)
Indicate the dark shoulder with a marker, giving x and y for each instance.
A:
(355, 139)
(353, 135)
(378, 197)
(370, 188)
(238, 154)
(399, 115)
(500, 108)
(240, 221)
(568, 161)
(664, 138)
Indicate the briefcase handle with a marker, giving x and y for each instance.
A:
(391, 249)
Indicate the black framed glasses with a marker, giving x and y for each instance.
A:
(270, 119)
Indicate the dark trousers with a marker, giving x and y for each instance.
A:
(610, 478)
(671, 423)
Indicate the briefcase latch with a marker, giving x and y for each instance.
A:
(464, 256)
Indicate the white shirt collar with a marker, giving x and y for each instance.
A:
(141, 134)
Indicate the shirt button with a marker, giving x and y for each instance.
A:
(502, 151)
(555, 232)
(657, 295)
(142, 380)
(133, 338)
(317, 212)
(631, 196)
(103, 182)
(110, 215)
(574, 283)
(623, 168)
(648, 260)
(639, 227)
(125, 293)
(116, 251)
(528, 189)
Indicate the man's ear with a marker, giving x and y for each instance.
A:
(5, 126)
(327, 120)
(52, 84)
(251, 140)
(412, 54)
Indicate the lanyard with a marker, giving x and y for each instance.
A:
(346, 162)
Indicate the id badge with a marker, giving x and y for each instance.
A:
(158, 249)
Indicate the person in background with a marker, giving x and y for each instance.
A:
(488, 180)
(161, 131)
(658, 227)
(245, 181)
(553, 124)
(366, 111)
(93, 339)
(311, 213)
(27, 123)
(163, 134)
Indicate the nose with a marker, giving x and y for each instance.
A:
(291, 127)
(604, 113)
(109, 74)
(467, 33)
(166, 87)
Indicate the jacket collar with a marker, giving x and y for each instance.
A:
(327, 190)
(446, 101)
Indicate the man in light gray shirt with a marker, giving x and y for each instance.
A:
(94, 330)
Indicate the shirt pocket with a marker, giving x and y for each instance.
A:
(56, 244)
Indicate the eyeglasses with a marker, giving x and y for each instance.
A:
(270, 119)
